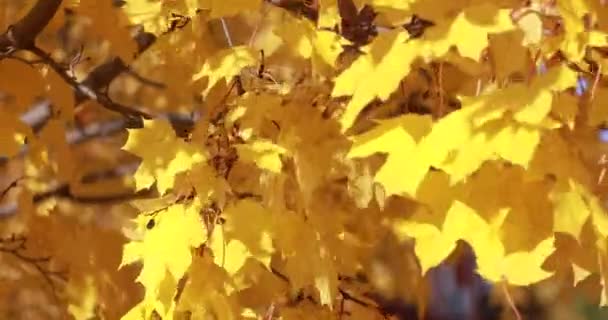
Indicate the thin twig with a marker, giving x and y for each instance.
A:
(440, 81)
(143, 80)
(226, 32)
(15, 246)
(595, 82)
(510, 300)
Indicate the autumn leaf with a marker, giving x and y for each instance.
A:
(376, 74)
(225, 64)
(520, 268)
(169, 156)
(300, 174)
(165, 251)
(434, 245)
(263, 153)
(460, 142)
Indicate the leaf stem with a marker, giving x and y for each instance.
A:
(226, 32)
(510, 301)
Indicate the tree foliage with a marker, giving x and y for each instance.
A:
(293, 159)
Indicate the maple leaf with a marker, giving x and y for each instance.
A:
(476, 22)
(231, 255)
(145, 12)
(265, 154)
(571, 210)
(574, 205)
(112, 27)
(387, 59)
(577, 38)
(85, 309)
(207, 291)
(165, 251)
(507, 133)
(329, 15)
(255, 241)
(164, 154)
(579, 273)
(398, 138)
(321, 46)
(434, 245)
(483, 129)
(519, 268)
(462, 223)
(225, 64)
(531, 24)
(375, 74)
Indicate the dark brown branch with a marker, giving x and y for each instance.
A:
(82, 89)
(145, 81)
(104, 74)
(23, 33)
(64, 191)
(37, 117)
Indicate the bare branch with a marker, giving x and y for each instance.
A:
(82, 89)
(104, 74)
(65, 191)
(22, 34)
(15, 246)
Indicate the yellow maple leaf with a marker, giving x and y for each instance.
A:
(531, 24)
(598, 113)
(322, 284)
(403, 169)
(503, 124)
(87, 299)
(520, 268)
(375, 74)
(321, 46)
(565, 109)
(164, 154)
(264, 153)
(108, 23)
(577, 38)
(570, 210)
(579, 274)
(165, 252)
(463, 223)
(258, 239)
(329, 15)
(145, 12)
(387, 60)
(476, 22)
(228, 254)
(434, 245)
(225, 64)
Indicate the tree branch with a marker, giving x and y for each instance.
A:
(22, 34)
(104, 74)
(82, 89)
(65, 191)
(37, 116)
